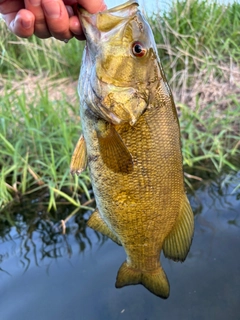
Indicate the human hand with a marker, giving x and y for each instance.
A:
(47, 18)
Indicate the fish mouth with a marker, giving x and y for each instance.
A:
(104, 21)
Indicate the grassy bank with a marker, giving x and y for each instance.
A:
(199, 45)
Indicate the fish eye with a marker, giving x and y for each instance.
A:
(138, 49)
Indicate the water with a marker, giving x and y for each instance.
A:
(47, 275)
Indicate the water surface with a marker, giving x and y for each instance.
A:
(47, 275)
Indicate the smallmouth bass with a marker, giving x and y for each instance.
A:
(131, 142)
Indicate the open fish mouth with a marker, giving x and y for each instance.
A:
(93, 24)
(121, 10)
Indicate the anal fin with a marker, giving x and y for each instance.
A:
(96, 222)
(79, 157)
(178, 242)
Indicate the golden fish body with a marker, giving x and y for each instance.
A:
(132, 144)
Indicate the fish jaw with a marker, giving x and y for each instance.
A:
(95, 24)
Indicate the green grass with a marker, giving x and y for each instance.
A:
(195, 35)
(20, 57)
(211, 141)
(36, 142)
(199, 45)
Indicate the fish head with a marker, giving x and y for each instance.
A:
(121, 63)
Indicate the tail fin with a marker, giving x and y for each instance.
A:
(155, 281)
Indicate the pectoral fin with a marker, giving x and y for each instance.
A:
(113, 151)
(79, 157)
(178, 242)
(96, 222)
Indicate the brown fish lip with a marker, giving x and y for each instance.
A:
(90, 21)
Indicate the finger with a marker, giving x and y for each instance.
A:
(70, 2)
(40, 25)
(76, 28)
(20, 23)
(57, 19)
(93, 6)
(70, 11)
(7, 7)
(74, 23)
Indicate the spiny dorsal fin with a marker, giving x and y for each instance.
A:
(79, 157)
(178, 242)
(113, 151)
(97, 223)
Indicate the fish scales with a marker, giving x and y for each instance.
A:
(132, 143)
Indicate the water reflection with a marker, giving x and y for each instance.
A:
(221, 194)
(35, 236)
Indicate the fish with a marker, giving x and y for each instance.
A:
(131, 143)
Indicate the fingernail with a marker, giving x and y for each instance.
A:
(103, 7)
(52, 9)
(35, 3)
(26, 24)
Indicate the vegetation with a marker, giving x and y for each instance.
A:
(199, 45)
(198, 38)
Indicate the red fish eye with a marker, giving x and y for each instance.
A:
(138, 49)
